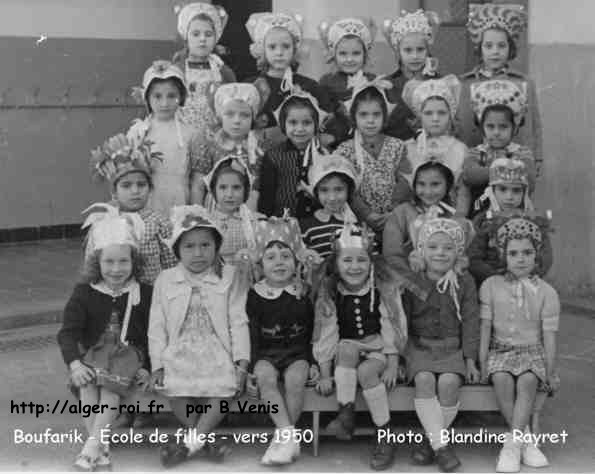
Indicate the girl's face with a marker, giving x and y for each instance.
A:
(435, 117)
(509, 196)
(497, 129)
(115, 264)
(353, 265)
(300, 126)
(164, 99)
(350, 55)
(132, 191)
(278, 49)
(413, 51)
(369, 118)
(520, 257)
(236, 119)
(494, 49)
(440, 253)
(197, 250)
(229, 192)
(201, 38)
(430, 187)
(278, 265)
(332, 192)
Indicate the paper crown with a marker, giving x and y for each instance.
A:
(508, 17)
(297, 91)
(241, 91)
(259, 24)
(188, 12)
(325, 165)
(283, 229)
(419, 21)
(460, 231)
(499, 92)
(186, 218)
(333, 32)
(519, 228)
(353, 236)
(508, 171)
(120, 155)
(236, 161)
(415, 92)
(110, 227)
(380, 84)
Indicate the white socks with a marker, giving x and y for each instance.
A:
(346, 382)
(192, 441)
(377, 400)
(430, 415)
(449, 414)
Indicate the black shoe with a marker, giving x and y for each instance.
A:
(173, 454)
(422, 454)
(343, 425)
(446, 459)
(383, 454)
(215, 451)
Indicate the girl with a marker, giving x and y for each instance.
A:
(411, 36)
(169, 139)
(507, 195)
(281, 320)
(378, 159)
(360, 326)
(285, 166)
(347, 42)
(236, 106)
(495, 31)
(432, 184)
(499, 107)
(443, 337)
(200, 26)
(199, 340)
(276, 43)
(230, 183)
(128, 170)
(435, 102)
(519, 320)
(333, 182)
(103, 338)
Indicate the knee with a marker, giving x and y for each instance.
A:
(367, 375)
(449, 382)
(526, 384)
(347, 354)
(266, 375)
(426, 382)
(296, 376)
(502, 378)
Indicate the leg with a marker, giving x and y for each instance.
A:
(179, 406)
(448, 394)
(89, 397)
(295, 378)
(504, 387)
(267, 379)
(430, 416)
(526, 388)
(94, 447)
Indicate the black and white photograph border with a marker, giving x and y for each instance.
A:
(70, 69)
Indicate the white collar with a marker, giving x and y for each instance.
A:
(361, 292)
(102, 287)
(268, 292)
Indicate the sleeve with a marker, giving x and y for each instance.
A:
(475, 173)
(402, 191)
(310, 328)
(470, 316)
(325, 336)
(536, 129)
(486, 306)
(227, 74)
(550, 311)
(73, 325)
(387, 331)
(253, 314)
(143, 325)
(238, 320)
(166, 255)
(268, 185)
(478, 251)
(463, 121)
(393, 239)
(157, 334)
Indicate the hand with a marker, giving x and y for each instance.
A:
(142, 379)
(484, 377)
(241, 375)
(376, 220)
(313, 375)
(472, 374)
(553, 380)
(81, 374)
(416, 262)
(252, 386)
(389, 376)
(311, 257)
(156, 380)
(325, 386)
(243, 256)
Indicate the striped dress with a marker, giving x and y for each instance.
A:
(318, 235)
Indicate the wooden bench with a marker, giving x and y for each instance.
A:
(471, 398)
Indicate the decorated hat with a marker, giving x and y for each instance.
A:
(426, 23)
(188, 12)
(283, 229)
(186, 218)
(499, 92)
(351, 236)
(298, 92)
(380, 84)
(259, 25)
(241, 91)
(160, 69)
(236, 161)
(121, 155)
(511, 18)
(108, 226)
(508, 171)
(519, 228)
(333, 32)
(459, 231)
(415, 92)
(326, 165)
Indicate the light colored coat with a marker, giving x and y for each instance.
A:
(225, 302)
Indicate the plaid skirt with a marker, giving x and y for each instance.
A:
(517, 359)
